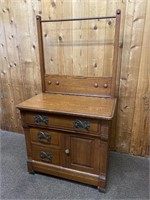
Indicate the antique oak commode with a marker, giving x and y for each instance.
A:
(67, 126)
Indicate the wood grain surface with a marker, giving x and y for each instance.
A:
(20, 70)
(102, 108)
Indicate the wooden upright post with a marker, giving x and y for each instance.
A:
(115, 56)
(41, 51)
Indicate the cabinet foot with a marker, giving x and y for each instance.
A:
(101, 189)
(32, 172)
(30, 168)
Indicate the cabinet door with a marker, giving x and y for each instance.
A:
(82, 153)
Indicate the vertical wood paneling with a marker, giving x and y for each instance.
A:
(10, 63)
(96, 34)
(48, 10)
(139, 143)
(134, 28)
(64, 35)
(80, 36)
(70, 48)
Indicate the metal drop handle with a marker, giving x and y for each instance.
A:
(46, 155)
(45, 136)
(41, 119)
(81, 124)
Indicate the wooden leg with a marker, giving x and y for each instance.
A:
(103, 166)
(102, 183)
(32, 172)
(29, 166)
(101, 189)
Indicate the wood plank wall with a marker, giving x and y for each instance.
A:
(19, 60)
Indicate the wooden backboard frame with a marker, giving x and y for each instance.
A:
(91, 86)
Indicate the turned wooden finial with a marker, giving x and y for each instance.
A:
(118, 12)
(38, 17)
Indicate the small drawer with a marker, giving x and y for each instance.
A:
(64, 122)
(45, 136)
(43, 154)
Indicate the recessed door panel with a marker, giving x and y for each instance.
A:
(83, 154)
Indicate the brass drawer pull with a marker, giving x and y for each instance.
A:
(81, 124)
(46, 155)
(45, 136)
(67, 151)
(39, 118)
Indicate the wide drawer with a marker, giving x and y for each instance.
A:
(63, 122)
(44, 154)
(45, 136)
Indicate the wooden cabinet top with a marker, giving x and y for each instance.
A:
(94, 107)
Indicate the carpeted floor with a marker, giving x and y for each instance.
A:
(128, 177)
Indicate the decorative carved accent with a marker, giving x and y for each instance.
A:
(95, 85)
(49, 82)
(105, 85)
(57, 82)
